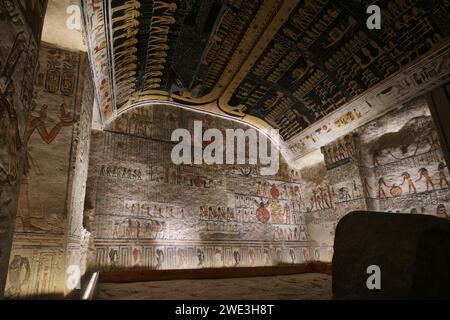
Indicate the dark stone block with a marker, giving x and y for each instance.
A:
(412, 251)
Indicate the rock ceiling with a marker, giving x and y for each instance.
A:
(281, 64)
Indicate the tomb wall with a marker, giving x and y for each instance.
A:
(20, 32)
(152, 214)
(49, 233)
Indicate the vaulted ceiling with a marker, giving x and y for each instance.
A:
(278, 63)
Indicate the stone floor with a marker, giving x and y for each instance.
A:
(310, 286)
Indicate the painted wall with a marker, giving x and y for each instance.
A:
(392, 164)
(403, 168)
(331, 188)
(149, 213)
(20, 30)
(51, 198)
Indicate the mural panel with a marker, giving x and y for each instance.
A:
(55, 126)
(152, 214)
(393, 164)
(406, 171)
(20, 28)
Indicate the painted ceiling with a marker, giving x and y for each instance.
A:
(280, 64)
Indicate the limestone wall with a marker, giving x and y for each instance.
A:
(403, 167)
(49, 215)
(378, 167)
(20, 30)
(152, 214)
(149, 213)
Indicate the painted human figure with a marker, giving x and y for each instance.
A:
(336, 154)
(138, 229)
(287, 213)
(37, 122)
(180, 258)
(349, 146)
(183, 213)
(200, 257)
(315, 198)
(173, 178)
(237, 258)
(306, 256)
(442, 177)
(407, 178)
(252, 257)
(266, 255)
(159, 258)
(203, 213)
(424, 174)
(342, 151)
(18, 275)
(328, 156)
(113, 257)
(228, 214)
(136, 256)
(381, 193)
(292, 255)
(209, 214)
(304, 234)
(279, 254)
(285, 192)
(170, 211)
(265, 189)
(291, 192)
(325, 197)
(218, 258)
(129, 227)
